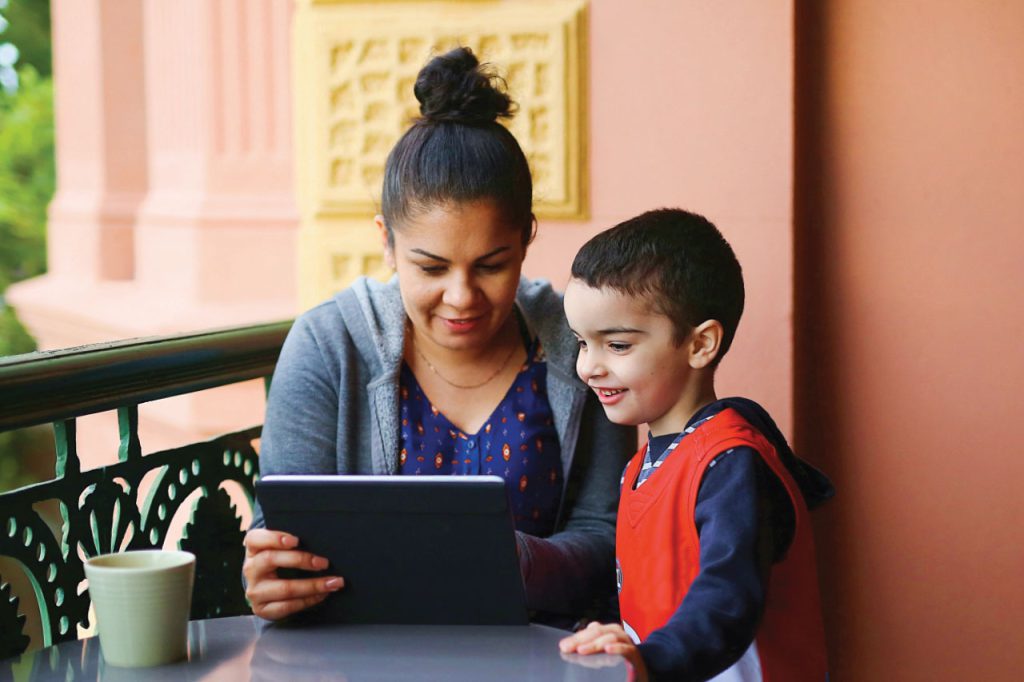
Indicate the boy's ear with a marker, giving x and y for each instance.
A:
(389, 253)
(705, 340)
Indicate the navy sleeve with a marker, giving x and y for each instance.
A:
(718, 618)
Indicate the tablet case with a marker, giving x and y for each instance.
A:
(412, 549)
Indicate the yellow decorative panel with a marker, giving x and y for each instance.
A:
(333, 253)
(355, 65)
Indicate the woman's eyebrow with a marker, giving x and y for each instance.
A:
(430, 255)
(495, 252)
(442, 259)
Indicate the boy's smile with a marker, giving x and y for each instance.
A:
(629, 357)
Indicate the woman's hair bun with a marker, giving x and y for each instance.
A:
(455, 87)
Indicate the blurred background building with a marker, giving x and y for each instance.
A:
(217, 163)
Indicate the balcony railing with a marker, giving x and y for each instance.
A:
(101, 510)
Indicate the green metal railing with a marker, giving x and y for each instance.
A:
(101, 510)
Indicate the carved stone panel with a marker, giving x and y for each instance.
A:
(356, 63)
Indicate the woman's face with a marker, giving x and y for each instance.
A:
(458, 269)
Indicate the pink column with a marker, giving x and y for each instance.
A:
(100, 127)
(174, 210)
(216, 234)
(101, 169)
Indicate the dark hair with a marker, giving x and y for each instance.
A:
(456, 151)
(676, 259)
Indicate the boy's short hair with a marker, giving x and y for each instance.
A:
(678, 260)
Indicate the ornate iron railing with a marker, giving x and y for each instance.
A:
(100, 508)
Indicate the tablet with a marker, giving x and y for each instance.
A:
(412, 549)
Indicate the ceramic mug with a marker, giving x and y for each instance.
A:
(142, 600)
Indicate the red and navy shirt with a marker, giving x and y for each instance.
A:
(696, 542)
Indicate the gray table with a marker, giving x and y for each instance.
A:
(241, 649)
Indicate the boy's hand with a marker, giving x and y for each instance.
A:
(606, 639)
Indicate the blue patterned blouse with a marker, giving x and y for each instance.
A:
(517, 442)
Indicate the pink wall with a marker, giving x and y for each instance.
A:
(911, 253)
(691, 105)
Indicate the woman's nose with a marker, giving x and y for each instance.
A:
(460, 291)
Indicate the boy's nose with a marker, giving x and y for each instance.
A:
(587, 366)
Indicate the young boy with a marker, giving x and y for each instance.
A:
(714, 554)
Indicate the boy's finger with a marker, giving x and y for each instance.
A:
(620, 648)
(582, 640)
(597, 644)
(585, 635)
(570, 643)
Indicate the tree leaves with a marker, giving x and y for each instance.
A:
(26, 176)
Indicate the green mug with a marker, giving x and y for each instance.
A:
(142, 600)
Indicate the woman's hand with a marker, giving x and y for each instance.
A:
(272, 597)
(597, 638)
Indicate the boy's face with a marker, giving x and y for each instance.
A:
(629, 357)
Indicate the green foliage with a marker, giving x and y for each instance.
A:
(26, 456)
(14, 340)
(26, 176)
(26, 186)
(28, 29)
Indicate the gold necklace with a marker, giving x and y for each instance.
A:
(448, 381)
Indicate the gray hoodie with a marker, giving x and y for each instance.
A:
(333, 408)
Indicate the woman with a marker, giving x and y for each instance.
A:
(425, 373)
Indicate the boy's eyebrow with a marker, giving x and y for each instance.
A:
(619, 330)
(433, 256)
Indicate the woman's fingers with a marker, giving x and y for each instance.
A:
(276, 598)
(295, 588)
(260, 539)
(267, 550)
(277, 610)
(273, 597)
(272, 559)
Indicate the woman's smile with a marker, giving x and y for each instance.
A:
(462, 325)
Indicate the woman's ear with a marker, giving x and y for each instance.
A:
(705, 341)
(389, 251)
(533, 231)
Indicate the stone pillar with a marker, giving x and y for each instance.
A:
(102, 169)
(174, 209)
(216, 233)
(100, 120)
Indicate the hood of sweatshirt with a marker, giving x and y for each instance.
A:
(814, 484)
